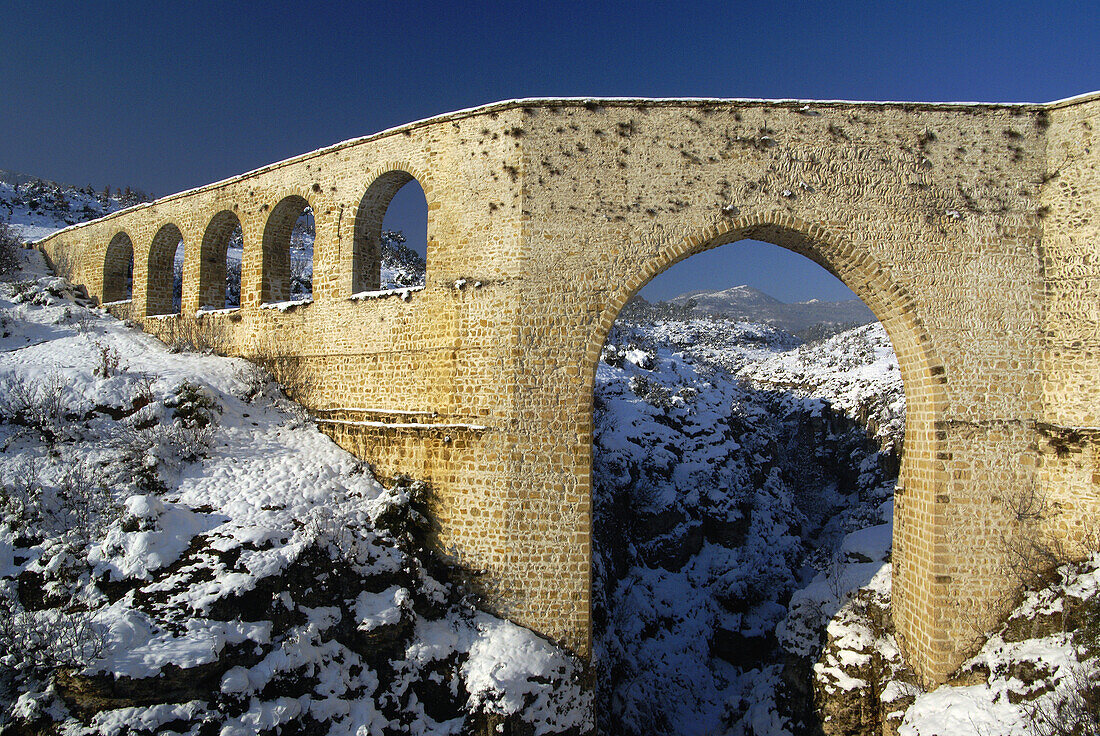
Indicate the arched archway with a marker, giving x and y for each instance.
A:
(367, 256)
(916, 528)
(219, 280)
(118, 269)
(162, 284)
(279, 274)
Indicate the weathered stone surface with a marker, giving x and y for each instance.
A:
(970, 230)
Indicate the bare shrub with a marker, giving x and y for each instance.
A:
(1027, 503)
(107, 362)
(10, 244)
(38, 404)
(201, 335)
(83, 320)
(1074, 710)
(193, 406)
(252, 381)
(84, 506)
(1030, 552)
(39, 642)
(275, 355)
(148, 448)
(20, 492)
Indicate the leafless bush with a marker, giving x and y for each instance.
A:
(108, 360)
(84, 505)
(1027, 503)
(82, 320)
(38, 642)
(148, 448)
(201, 335)
(833, 570)
(1030, 552)
(342, 540)
(20, 492)
(274, 354)
(9, 252)
(252, 380)
(38, 404)
(1073, 710)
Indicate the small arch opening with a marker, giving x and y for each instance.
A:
(391, 234)
(287, 272)
(220, 265)
(118, 269)
(164, 282)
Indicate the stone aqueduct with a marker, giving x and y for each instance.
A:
(971, 230)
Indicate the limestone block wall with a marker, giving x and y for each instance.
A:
(929, 213)
(546, 216)
(1068, 453)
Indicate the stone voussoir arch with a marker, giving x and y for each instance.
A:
(117, 268)
(923, 377)
(271, 258)
(159, 261)
(212, 256)
(381, 185)
(890, 302)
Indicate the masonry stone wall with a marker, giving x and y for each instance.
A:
(970, 231)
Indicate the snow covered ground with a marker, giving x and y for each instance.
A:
(743, 523)
(730, 466)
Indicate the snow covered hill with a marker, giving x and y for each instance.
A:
(730, 466)
(742, 532)
(749, 304)
(36, 207)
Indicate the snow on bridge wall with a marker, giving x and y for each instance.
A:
(971, 230)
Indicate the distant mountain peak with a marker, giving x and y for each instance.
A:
(748, 303)
(734, 295)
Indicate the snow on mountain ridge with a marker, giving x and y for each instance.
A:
(36, 207)
(748, 303)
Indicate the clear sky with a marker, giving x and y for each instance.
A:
(167, 96)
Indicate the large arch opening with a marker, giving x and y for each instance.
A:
(724, 485)
(391, 234)
(220, 262)
(164, 280)
(287, 251)
(118, 269)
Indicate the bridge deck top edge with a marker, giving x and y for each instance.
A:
(552, 102)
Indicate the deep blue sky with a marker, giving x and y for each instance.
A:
(165, 99)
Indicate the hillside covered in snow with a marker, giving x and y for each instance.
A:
(746, 303)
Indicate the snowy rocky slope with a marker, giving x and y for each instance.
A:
(730, 465)
(37, 207)
(743, 521)
(182, 551)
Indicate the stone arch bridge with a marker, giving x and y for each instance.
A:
(971, 230)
